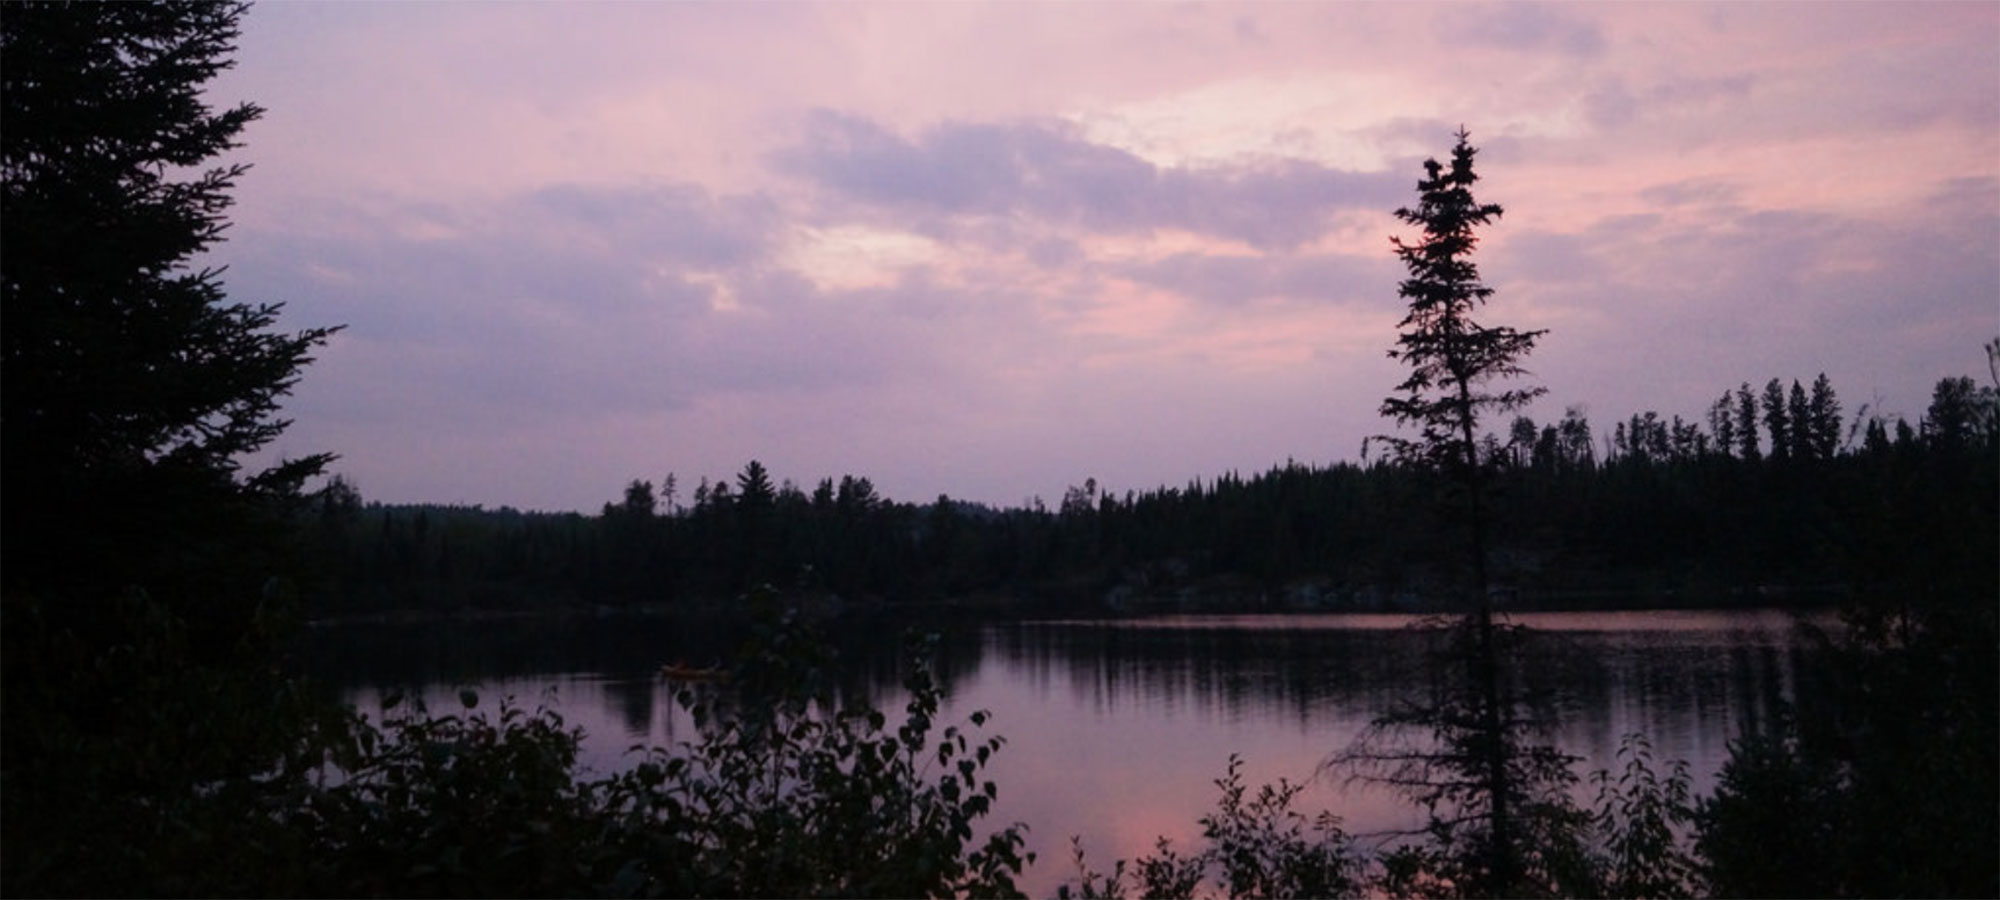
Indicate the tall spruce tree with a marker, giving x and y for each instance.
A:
(1493, 792)
(1746, 423)
(1798, 411)
(1722, 425)
(134, 386)
(1824, 414)
(149, 733)
(1777, 420)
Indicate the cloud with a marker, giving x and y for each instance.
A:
(1673, 309)
(1704, 192)
(679, 223)
(1236, 280)
(1046, 171)
(1521, 27)
(561, 304)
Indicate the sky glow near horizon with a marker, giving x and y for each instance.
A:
(994, 249)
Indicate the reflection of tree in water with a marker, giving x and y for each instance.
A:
(623, 652)
(635, 700)
(616, 646)
(1217, 671)
(1676, 686)
(1687, 689)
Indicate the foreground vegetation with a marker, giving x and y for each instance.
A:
(158, 742)
(221, 780)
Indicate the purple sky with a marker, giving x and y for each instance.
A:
(996, 249)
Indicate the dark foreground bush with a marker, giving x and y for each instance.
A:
(221, 781)
(783, 794)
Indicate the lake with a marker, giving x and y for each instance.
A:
(1117, 729)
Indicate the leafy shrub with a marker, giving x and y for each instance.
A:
(787, 794)
(1641, 821)
(1259, 847)
(455, 805)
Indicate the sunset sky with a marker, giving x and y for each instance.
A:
(992, 250)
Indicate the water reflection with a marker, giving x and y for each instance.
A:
(1117, 729)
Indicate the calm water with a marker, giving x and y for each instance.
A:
(1117, 729)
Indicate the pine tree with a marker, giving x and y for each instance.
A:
(1746, 423)
(150, 737)
(1798, 410)
(134, 386)
(1776, 420)
(1452, 358)
(754, 490)
(1722, 425)
(1480, 766)
(1823, 412)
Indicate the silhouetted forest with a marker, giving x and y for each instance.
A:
(159, 739)
(1774, 496)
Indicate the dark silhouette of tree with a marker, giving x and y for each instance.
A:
(1746, 423)
(1579, 448)
(1777, 421)
(1722, 425)
(134, 385)
(1961, 413)
(1479, 768)
(149, 728)
(640, 503)
(1823, 418)
(1798, 410)
(754, 490)
(1452, 358)
(1521, 438)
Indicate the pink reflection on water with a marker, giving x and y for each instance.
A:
(1117, 730)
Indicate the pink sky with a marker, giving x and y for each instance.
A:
(992, 250)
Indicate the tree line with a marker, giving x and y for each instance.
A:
(1772, 492)
(158, 741)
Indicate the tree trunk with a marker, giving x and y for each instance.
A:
(1486, 671)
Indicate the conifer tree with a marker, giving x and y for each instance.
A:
(754, 490)
(1746, 423)
(150, 736)
(1452, 358)
(1482, 778)
(1722, 425)
(1799, 411)
(1777, 420)
(134, 385)
(1823, 411)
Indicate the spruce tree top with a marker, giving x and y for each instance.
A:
(1452, 358)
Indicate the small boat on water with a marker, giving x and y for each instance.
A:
(679, 671)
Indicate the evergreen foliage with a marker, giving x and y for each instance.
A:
(1885, 780)
(150, 731)
(1452, 358)
(133, 384)
(1495, 793)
